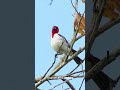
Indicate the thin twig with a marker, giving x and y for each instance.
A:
(75, 8)
(66, 88)
(65, 58)
(51, 2)
(69, 84)
(79, 37)
(53, 62)
(81, 84)
(59, 84)
(74, 69)
(49, 82)
(82, 68)
(50, 67)
(50, 76)
(76, 72)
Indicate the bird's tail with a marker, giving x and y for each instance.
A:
(77, 59)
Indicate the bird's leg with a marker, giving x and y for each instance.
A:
(57, 55)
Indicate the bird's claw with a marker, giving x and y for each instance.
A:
(56, 55)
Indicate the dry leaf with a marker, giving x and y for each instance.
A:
(81, 29)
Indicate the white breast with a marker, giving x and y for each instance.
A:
(59, 44)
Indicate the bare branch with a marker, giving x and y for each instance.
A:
(101, 64)
(51, 2)
(77, 53)
(97, 16)
(75, 7)
(81, 84)
(71, 44)
(53, 62)
(76, 72)
(50, 67)
(107, 26)
(65, 59)
(80, 37)
(62, 76)
(69, 84)
(58, 68)
(59, 84)
(74, 69)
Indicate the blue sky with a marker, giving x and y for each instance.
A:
(60, 13)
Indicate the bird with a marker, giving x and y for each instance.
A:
(61, 45)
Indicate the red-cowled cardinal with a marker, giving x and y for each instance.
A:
(61, 45)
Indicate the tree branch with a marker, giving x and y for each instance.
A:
(107, 26)
(79, 37)
(51, 2)
(69, 84)
(101, 64)
(59, 84)
(97, 16)
(60, 66)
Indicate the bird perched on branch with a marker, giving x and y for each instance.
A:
(61, 45)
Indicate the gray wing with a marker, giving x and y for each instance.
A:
(65, 40)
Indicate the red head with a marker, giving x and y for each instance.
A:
(55, 30)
